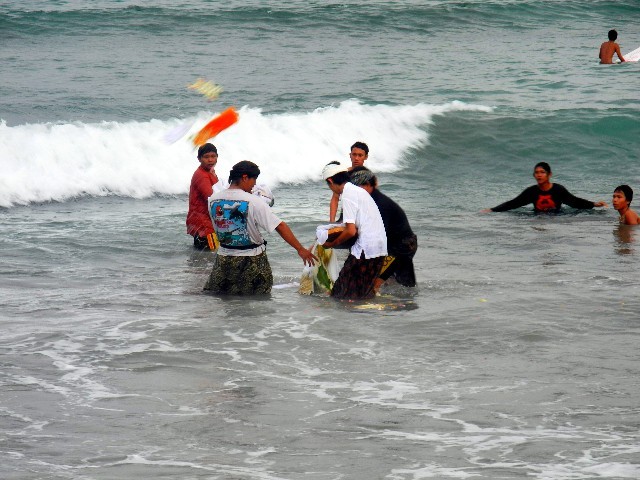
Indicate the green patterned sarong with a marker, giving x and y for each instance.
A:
(248, 275)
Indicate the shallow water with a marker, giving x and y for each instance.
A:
(513, 358)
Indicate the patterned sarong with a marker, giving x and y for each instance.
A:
(242, 275)
(357, 277)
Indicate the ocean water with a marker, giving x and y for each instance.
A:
(516, 356)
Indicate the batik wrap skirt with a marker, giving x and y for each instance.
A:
(240, 275)
(357, 277)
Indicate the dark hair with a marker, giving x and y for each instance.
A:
(207, 148)
(362, 176)
(361, 146)
(613, 35)
(245, 167)
(339, 178)
(545, 165)
(626, 190)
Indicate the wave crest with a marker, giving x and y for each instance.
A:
(57, 162)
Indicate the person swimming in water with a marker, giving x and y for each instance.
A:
(622, 197)
(545, 196)
(607, 49)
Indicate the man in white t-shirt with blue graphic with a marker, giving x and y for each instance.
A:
(241, 266)
(362, 218)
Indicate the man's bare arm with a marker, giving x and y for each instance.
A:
(349, 231)
(333, 207)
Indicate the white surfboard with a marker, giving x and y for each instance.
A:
(633, 56)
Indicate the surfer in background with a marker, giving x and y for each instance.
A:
(202, 186)
(607, 49)
(545, 196)
(358, 154)
(622, 197)
(402, 243)
(362, 218)
(241, 266)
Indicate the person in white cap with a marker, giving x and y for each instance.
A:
(361, 218)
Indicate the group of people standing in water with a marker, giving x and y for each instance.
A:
(384, 244)
(228, 218)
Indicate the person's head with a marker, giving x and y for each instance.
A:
(358, 154)
(363, 177)
(622, 196)
(336, 176)
(542, 172)
(208, 156)
(613, 35)
(244, 175)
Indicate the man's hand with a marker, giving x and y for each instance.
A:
(307, 257)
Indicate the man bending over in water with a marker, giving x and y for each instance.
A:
(607, 49)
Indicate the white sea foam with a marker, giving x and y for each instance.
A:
(502, 441)
(235, 355)
(28, 421)
(254, 470)
(618, 470)
(78, 376)
(57, 162)
(42, 384)
(158, 346)
(293, 328)
(431, 471)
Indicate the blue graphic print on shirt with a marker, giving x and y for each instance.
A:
(230, 222)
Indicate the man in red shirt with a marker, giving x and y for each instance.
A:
(199, 224)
